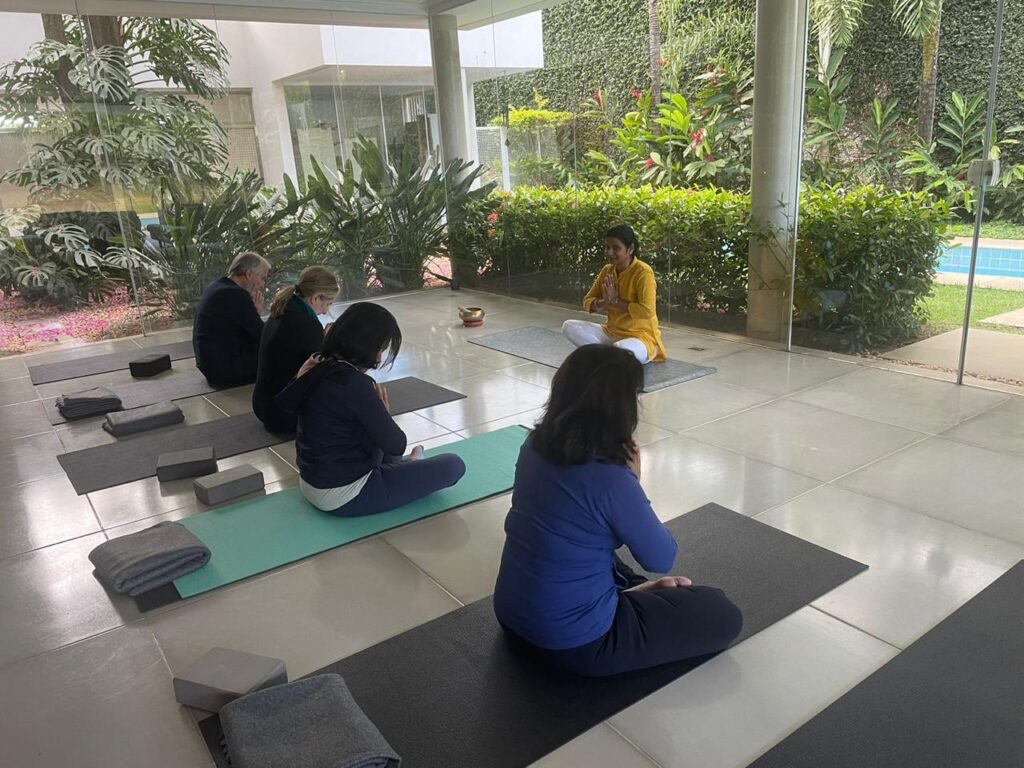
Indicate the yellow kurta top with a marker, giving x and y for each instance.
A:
(637, 287)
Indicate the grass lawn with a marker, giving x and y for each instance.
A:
(998, 230)
(945, 308)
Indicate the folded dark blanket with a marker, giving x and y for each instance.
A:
(89, 402)
(310, 723)
(142, 561)
(140, 419)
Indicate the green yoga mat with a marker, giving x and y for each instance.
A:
(254, 536)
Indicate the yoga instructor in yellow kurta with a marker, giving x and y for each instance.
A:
(625, 289)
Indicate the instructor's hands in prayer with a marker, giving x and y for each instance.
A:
(610, 289)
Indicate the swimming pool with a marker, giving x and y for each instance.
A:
(997, 262)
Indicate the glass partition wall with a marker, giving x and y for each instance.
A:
(150, 150)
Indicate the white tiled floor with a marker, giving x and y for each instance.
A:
(919, 479)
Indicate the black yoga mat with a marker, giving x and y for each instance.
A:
(134, 458)
(452, 692)
(171, 385)
(112, 361)
(953, 699)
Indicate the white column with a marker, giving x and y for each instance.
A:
(780, 62)
(448, 89)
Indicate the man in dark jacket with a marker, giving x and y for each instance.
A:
(227, 328)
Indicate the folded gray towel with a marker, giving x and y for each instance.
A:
(140, 419)
(311, 723)
(89, 402)
(142, 561)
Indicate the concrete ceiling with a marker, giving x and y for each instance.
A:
(376, 13)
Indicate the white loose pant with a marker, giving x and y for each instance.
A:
(580, 332)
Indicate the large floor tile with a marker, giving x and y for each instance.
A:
(461, 550)
(13, 368)
(17, 391)
(101, 703)
(234, 402)
(433, 366)
(25, 459)
(321, 610)
(680, 474)
(148, 497)
(49, 598)
(170, 336)
(42, 512)
(973, 487)
(533, 373)
(813, 441)
(489, 396)
(23, 419)
(913, 402)
(776, 372)
(733, 708)
(600, 747)
(695, 347)
(1000, 428)
(921, 569)
(697, 402)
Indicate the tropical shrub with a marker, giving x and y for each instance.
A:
(865, 256)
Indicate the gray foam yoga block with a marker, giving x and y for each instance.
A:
(180, 464)
(229, 484)
(223, 675)
(150, 365)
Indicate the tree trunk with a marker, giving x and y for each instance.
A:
(104, 30)
(654, 39)
(53, 29)
(929, 84)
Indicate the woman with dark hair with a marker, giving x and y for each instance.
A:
(626, 291)
(348, 447)
(562, 593)
(291, 334)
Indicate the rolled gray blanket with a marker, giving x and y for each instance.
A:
(310, 723)
(89, 402)
(141, 419)
(142, 561)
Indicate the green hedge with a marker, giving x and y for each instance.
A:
(865, 257)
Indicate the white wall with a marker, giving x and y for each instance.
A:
(20, 32)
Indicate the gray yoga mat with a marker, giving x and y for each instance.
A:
(112, 361)
(452, 692)
(133, 458)
(953, 699)
(547, 347)
(171, 385)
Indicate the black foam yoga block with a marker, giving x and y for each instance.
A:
(193, 462)
(150, 365)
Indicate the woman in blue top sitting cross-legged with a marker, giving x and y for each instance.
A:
(562, 593)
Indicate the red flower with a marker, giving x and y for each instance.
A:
(662, 62)
(597, 98)
(649, 163)
(636, 94)
(710, 157)
(492, 217)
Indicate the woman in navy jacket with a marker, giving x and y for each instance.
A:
(290, 336)
(349, 449)
(562, 593)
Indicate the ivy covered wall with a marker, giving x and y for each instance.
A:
(591, 44)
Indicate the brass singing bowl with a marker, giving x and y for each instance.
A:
(471, 314)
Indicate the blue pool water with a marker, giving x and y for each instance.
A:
(998, 262)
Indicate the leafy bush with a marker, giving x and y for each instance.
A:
(865, 257)
(865, 262)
